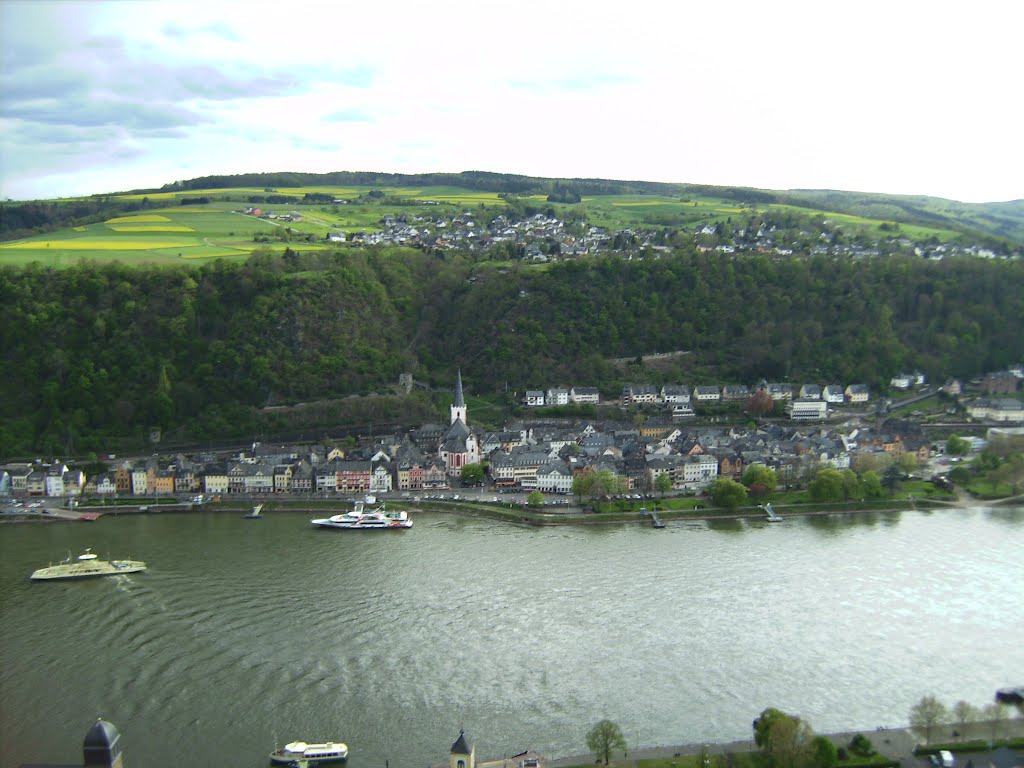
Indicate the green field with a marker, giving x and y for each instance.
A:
(168, 235)
(189, 232)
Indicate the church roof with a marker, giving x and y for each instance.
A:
(461, 746)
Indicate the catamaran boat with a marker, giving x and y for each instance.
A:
(361, 519)
(299, 752)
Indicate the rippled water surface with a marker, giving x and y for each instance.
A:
(246, 634)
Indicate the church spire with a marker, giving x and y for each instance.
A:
(460, 401)
(458, 409)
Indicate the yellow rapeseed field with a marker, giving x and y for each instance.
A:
(156, 228)
(96, 244)
(142, 218)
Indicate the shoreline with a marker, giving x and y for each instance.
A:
(523, 515)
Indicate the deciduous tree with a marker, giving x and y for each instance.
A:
(926, 715)
(726, 492)
(759, 474)
(604, 738)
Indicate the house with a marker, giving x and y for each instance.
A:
(215, 480)
(699, 470)
(1000, 383)
(1001, 409)
(36, 483)
(735, 392)
(857, 393)
(534, 398)
(163, 481)
(54, 480)
(557, 396)
(810, 392)
(325, 478)
(639, 394)
(676, 394)
(435, 474)
(554, 477)
(302, 477)
(707, 393)
(353, 476)
(139, 480)
(779, 391)
(953, 387)
(105, 484)
(833, 394)
(585, 395)
(19, 477)
(656, 428)
(282, 478)
(260, 479)
(902, 381)
(683, 411)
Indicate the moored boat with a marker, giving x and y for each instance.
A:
(87, 565)
(359, 519)
(312, 754)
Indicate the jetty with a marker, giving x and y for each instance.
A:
(656, 521)
(773, 517)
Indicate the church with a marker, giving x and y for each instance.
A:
(458, 446)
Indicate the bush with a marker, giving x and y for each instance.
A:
(861, 745)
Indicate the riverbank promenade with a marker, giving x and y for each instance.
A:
(895, 743)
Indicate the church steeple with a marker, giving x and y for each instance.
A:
(458, 408)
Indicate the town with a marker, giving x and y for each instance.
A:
(654, 446)
(543, 236)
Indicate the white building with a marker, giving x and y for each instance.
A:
(707, 393)
(699, 470)
(833, 394)
(554, 478)
(585, 395)
(804, 409)
(558, 396)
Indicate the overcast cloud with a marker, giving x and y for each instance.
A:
(911, 97)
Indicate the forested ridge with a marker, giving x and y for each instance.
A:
(101, 351)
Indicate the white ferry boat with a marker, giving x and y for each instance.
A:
(360, 519)
(300, 752)
(87, 565)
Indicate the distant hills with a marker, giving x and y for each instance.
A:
(1000, 220)
(998, 224)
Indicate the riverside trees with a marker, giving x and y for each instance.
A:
(604, 738)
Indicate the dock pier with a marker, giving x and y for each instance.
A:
(655, 520)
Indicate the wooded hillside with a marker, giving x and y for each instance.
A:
(97, 351)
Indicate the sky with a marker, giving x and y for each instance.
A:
(922, 97)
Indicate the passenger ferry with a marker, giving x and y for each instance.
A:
(299, 752)
(86, 566)
(360, 519)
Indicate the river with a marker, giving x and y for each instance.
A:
(246, 634)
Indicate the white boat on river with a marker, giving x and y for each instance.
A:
(300, 752)
(361, 519)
